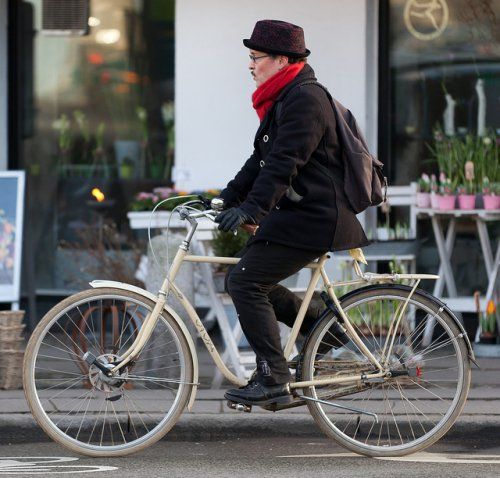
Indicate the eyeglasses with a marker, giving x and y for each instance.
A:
(254, 58)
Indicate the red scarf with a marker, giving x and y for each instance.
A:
(264, 96)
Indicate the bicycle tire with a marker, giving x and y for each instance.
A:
(61, 333)
(443, 403)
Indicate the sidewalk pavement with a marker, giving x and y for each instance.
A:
(211, 419)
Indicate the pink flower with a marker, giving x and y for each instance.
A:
(142, 196)
(164, 193)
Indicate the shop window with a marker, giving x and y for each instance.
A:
(440, 82)
(441, 70)
(93, 119)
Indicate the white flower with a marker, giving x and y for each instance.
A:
(487, 141)
(141, 113)
(61, 124)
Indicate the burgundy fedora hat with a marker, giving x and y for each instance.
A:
(279, 38)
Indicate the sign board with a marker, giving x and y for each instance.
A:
(11, 233)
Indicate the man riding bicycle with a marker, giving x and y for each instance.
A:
(291, 190)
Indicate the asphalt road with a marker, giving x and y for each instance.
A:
(461, 453)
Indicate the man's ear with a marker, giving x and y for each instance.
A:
(283, 61)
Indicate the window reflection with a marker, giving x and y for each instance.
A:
(103, 117)
(439, 50)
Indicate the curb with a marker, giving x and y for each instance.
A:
(214, 427)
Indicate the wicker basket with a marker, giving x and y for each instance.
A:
(11, 332)
(9, 318)
(11, 369)
(11, 344)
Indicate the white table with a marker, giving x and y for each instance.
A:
(445, 241)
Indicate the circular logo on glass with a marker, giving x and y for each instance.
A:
(426, 19)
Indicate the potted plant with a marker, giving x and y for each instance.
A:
(434, 192)
(424, 191)
(127, 168)
(467, 190)
(65, 141)
(384, 232)
(140, 208)
(168, 116)
(226, 244)
(491, 200)
(487, 321)
(446, 198)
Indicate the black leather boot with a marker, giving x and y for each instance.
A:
(255, 393)
(261, 389)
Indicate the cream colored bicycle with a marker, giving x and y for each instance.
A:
(108, 371)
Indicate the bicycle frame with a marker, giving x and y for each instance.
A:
(318, 272)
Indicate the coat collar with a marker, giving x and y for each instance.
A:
(307, 73)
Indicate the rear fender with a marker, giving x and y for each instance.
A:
(405, 288)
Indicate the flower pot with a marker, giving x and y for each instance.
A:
(446, 202)
(434, 201)
(491, 201)
(466, 201)
(423, 200)
(488, 339)
(382, 233)
(160, 219)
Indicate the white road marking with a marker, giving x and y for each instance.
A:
(422, 457)
(46, 465)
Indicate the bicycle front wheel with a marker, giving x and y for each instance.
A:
(76, 404)
(428, 386)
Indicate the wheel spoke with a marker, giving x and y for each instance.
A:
(88, 410)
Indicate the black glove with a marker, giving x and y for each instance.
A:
(230, 219)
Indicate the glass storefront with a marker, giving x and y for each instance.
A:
(439, 78)
(443, 69)
(93, 125)
(94, 112)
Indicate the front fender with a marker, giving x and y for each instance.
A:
(97, 284)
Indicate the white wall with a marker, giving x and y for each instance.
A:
(215, 121)
(3, 85)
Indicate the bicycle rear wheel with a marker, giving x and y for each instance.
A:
(76, 404)
(429, 384)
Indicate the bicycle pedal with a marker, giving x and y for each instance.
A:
(240, 407)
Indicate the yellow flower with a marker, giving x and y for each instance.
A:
(491, 308)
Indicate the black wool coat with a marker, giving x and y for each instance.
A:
(284, 185)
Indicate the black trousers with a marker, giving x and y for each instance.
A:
(260, 301)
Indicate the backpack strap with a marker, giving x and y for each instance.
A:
(379, 186)
(279, 103)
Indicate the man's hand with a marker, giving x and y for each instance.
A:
(231, 219)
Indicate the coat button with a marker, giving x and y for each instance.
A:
(265, 138)
(262, 163)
